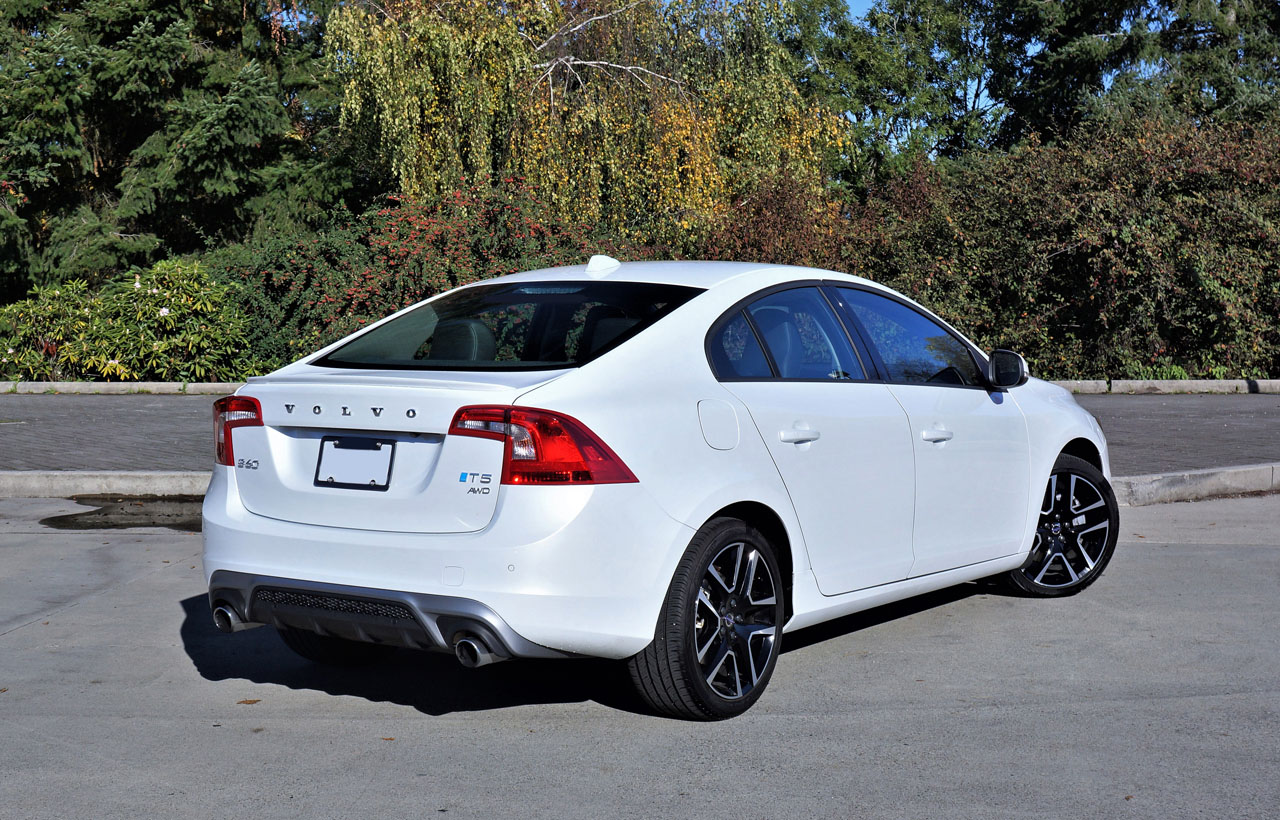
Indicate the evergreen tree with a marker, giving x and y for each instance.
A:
(132, 129)
(1221, 59)
(1051, 60)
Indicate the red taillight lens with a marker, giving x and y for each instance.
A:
(543, 447)
(229, 413)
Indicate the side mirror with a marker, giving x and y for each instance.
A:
(1007, 369)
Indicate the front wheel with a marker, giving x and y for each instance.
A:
(717, 639)
(1076, 534)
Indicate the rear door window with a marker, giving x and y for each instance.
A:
(803, 337)
(513, 326)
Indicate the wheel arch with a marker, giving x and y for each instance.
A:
(1085, 449)
(770, 524)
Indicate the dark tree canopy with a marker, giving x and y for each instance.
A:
(136, 129)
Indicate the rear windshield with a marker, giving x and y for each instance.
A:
(524, 326)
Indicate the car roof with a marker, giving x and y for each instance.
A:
(696, 274)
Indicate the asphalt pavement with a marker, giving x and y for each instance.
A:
(1161, 434)
(1147, 434)
(1152, 694)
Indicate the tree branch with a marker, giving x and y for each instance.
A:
(570, 61)
(571, 27)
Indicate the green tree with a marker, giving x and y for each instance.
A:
(646, 117)
(912, 75)
(1221, 58)
(134, 128)
(1051, 60)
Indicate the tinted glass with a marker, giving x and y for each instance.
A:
(913, 347)
(522, 326)
(736, 353)
(803, 336)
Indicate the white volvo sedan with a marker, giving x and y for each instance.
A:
(671, 463)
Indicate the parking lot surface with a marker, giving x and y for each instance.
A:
(1155, 693)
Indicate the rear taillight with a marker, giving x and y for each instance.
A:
(228, 414)
(543, 447)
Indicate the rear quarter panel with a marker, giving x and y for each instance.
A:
(642, 400)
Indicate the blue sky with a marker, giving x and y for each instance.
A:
(859, 7)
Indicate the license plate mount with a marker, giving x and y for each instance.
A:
(355, 463)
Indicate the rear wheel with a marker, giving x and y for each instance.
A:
(1076, 534)
(330, 651)
(717, 639)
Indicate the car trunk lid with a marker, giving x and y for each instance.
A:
(370, 451)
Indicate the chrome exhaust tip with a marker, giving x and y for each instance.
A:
(472, 653)
(226, 619)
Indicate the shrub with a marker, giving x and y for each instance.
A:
(785, 221)
(312, 290)
(1148, 250)
(169, 323)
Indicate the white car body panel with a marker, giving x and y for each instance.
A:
(531, 564)
(847, 486)
(585, 569)
(972, 488)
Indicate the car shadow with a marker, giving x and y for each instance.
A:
(432, 683)
(866, 619)
(436, 684)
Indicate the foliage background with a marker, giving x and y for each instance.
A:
(1091, 183)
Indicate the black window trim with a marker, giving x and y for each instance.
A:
(974, 353)
(863, 349)
(740, 307)
(774, 373)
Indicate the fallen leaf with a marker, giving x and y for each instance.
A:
(6, 689)
(250, 701)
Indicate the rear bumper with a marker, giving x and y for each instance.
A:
(559, 570)
(382, 616)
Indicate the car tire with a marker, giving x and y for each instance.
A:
(330, 651)
(1076, 534)
(718, 636)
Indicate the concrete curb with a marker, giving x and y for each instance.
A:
(1091, 386)
(1195, 386)
(121, 388)
(66, 483)
(1193, 485)
(1088, 386)
(1131, 491)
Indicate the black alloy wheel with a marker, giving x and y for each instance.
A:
(1076, 534)
(717, 641)
(735, 624)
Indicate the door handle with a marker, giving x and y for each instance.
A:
(798, 436)
(937, 436)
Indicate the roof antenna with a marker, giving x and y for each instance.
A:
(601, 266)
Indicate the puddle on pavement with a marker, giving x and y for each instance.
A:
(115, 512)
